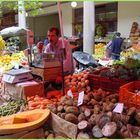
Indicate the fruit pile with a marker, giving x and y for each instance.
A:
(2, 45)
(7, 61)
(126, 53)
(99, 50)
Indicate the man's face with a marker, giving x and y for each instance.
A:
(52, 37)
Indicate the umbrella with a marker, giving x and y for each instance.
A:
(13, 31)
(84, 58)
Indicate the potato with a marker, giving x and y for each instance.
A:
(71, 118)
(81, 117)
(59, 114)
(60, 108)
(72, 109)
(63, 115)
(69, 102)
(75, 102)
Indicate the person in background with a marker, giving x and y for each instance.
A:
(55, 45)
(108, 49)
(114, 47)
(117, 42)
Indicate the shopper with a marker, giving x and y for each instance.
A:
(108, 49)
(55, 45)
(116, 47)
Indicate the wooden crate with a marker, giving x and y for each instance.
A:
(47, 74)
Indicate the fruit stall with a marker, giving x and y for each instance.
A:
(97, 102)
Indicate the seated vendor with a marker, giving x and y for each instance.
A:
(55, 45)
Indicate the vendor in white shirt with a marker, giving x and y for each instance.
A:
(55, 45)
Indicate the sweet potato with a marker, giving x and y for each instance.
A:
(81, 117)
(87, 112)
(131, 111)
(83, 125)
(69, 102)
(103, 119)
(96, 132)
(83, 135)
(71, 118)
(63, 115)
(72, 109)
(60, 108)
(109, 129)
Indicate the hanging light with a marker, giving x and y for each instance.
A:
(73, 4)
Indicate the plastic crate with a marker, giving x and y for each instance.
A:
(128, 97)
(110, 84)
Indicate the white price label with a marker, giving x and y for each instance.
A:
(69, 93)
(119, 108)
(80, 98)
(16, 66)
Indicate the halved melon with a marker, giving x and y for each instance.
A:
(24, 121)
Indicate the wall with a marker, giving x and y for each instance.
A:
(40, 25)
(66, 15)
(128, 12)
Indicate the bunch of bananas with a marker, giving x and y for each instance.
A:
(2, 44)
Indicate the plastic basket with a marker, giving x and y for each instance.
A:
(110, 84)
(128, 97)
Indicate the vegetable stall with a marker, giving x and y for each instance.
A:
(99, 102)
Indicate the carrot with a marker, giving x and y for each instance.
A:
(31, 108)
(43, 107)
(44, 103)
(34, 104)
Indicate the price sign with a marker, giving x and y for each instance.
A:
(80, 98)
(119, 108)
(69, 93)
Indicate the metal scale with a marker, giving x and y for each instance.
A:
(46, 60)
(17, 76)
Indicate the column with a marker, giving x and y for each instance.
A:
(89, 27)
(21, 14)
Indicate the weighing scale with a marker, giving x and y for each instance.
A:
(46, 60)
(17, 76)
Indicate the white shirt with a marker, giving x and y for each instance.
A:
(68, 62)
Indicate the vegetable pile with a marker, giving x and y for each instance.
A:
(95, 117)
(12, 107)
(37, 102)
(78, 82)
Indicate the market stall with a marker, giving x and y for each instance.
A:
(96, 101)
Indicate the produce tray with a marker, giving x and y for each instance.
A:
(127, 95)
(109, 84)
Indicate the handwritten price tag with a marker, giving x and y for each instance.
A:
(119, 108)
(80, 98)
(69, 93)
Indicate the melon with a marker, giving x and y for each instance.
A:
(24, 121)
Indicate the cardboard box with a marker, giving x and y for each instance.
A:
(47, 74)
(21, 91)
